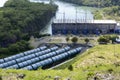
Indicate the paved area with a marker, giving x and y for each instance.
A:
(35, 42)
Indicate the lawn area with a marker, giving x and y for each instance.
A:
(101, 62)
(101, 54)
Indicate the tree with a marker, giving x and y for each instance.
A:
(0, 77)
(96, 3)
(67, 39)
(86, 40)
(74, 39)
(20, 19)
(103, 39)
(4, 51)
(14, 48)
(70, 68)
(113, 38)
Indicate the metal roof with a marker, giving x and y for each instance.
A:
(105, 21)
(85, 21)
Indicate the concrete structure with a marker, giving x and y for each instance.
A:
(83, 26)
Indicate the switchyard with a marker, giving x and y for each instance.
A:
(44, 56)
(77, 27)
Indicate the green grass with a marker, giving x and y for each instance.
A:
(101, 54)
(102, 60)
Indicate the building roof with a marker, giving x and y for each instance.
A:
(85, 21)
(105, 21)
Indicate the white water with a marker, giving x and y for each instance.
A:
(2, 2)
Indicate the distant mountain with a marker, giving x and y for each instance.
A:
(95, 3)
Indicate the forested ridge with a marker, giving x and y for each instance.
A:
(108, 13)
(95, 3)
(20, 19)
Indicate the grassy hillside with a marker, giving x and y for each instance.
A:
(101, 62)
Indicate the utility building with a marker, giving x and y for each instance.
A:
(83, 27)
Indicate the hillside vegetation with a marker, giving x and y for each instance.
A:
(20, 19)
(101, 62)
(95, 3)
(109, 9)
(108, 13)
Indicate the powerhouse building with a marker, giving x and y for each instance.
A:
(83, 27)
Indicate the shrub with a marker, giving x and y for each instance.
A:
(103, 39)
(113, 38)
(74, 39)
(101, 57)
(70, 68)
(90, 74)
(96, 78)
(0, 77)
(86, 40)
(67, 39)
(110, 70)
(107, 38)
